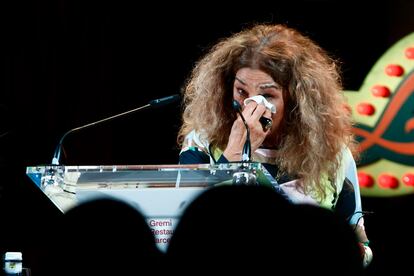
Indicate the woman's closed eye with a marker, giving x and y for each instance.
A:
(267, 96)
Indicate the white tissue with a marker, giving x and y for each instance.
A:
(259, 99)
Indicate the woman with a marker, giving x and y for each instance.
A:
(308, 147)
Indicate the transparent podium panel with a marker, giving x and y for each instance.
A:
(159, 192)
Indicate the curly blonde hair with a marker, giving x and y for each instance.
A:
(316, 122)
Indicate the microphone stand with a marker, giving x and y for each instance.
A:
(153, 103)
(244, 175)
(56, 156)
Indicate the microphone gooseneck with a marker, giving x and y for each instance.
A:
(164, 101)
(152, 103)
(247, 148)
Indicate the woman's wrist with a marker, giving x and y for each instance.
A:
(232, 156)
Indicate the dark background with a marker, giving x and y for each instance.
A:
(68, 63)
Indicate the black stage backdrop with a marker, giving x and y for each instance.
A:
(68, 63)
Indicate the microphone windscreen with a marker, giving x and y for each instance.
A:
(236, 106)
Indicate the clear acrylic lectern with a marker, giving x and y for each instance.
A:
(160, 192)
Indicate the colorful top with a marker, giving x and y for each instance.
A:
(345, 200)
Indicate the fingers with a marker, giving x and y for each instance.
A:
(249, 109)
(238, 125)
(253, 112)
(236, 141)
(267, 114)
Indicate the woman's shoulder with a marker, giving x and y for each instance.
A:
(347, 156)
(195, 140)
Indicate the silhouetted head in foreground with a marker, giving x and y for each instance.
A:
(103, 237)
(231, 228)
(254, 229)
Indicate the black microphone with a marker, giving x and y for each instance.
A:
(247, 148)
(152, 103)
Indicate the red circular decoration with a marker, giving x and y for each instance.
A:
(394, 70)
(408, 179)
(365, 109)
(388, 181)
(380, 91)
(365, 180)
(409, 53)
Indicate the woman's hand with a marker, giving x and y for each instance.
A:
(251, 113)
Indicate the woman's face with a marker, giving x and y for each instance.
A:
(251, 82)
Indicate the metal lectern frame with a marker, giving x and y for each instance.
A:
(159, 192)
(70, 182)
